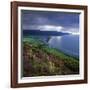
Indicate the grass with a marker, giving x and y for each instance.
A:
(41, 60)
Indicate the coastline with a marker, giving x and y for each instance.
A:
(39, 60)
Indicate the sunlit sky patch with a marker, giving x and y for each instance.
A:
(50, 21)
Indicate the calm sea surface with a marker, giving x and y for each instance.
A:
(69, 44)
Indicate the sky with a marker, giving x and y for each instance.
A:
(50, 21)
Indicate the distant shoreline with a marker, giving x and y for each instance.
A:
(76, 57)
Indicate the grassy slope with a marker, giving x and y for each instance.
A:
(41, 60)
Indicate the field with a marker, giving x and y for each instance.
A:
(41, 60)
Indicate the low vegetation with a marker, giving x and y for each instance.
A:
(41, 60)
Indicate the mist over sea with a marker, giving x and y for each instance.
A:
(67, 43)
